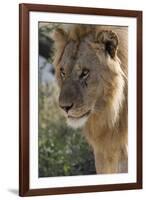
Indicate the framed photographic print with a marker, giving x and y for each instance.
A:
(80, 99)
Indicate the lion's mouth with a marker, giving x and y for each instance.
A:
(81, 116)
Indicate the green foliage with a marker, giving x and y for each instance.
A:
(62, 150)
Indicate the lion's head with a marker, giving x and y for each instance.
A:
(88, 72)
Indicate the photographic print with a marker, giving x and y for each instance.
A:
(83, 72)
(80, 99)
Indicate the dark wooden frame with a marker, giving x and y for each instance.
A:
(24, 10)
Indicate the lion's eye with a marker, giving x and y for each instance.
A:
(62, 73)
(84, 74)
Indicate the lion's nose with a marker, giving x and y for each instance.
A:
(66, 107)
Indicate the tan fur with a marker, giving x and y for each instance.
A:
(105, 92)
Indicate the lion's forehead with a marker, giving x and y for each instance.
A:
(70, 48)
(77, 55)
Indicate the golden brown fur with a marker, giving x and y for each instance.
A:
(91, 69)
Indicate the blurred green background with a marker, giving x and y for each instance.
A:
(63, 151)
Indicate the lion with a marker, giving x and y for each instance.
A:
(91, 71)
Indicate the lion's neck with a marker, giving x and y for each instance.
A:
(112, 110)
(112, 116)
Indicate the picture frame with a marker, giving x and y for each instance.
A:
(25, 75)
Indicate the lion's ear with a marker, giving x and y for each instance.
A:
(110, 41)
(59, 35)
(60, 39)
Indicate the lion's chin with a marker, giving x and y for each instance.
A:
(76, 122)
